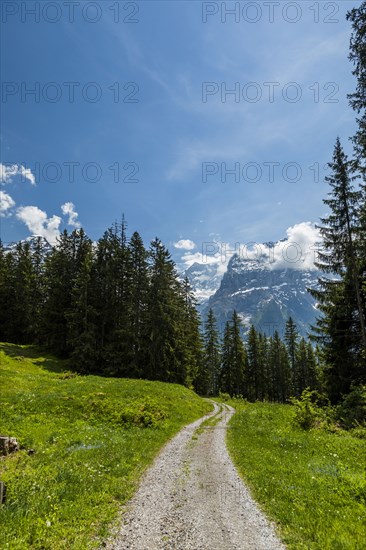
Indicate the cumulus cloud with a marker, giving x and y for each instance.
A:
(6, 203)
(38, 223)
(68, 209)
(297, 251)
(212, 253)
(8, 172)
(185, 244)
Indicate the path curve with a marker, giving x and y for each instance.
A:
(192, 498)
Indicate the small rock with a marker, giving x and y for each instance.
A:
(8, 445)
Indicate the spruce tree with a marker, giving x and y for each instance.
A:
(38, 287)
(105, 291)
(81, 317)
(58, 277)
(113, 288)
(163, 342)
(139, 286)
(312, 375)
(264, 374)
(253, 370)
(7, 296)
(239, 365)
(341, 328)
(301, 382)
(21, 286)
(211, 362)
(193, 364)
(226, 378)
(357, 56)
(118, 350)
(291, 340)
(234, 358)
(280, 374)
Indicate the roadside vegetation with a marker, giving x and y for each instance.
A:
(84, 443)
(309, 480)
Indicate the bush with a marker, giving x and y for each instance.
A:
(142, 413)
(224, 396)
(359, 432)
(147, 414)
(352, 411)
(308, 413)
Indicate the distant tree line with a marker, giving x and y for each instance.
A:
(114, 308)
(260, 368)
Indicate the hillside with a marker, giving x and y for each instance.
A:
(84, 443)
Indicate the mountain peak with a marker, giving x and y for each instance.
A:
(262, 283)
(33, 241)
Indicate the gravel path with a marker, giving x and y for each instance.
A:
(193, 499)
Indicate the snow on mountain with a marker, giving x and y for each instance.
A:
(204, 279)
(260, 286)
(33, 242)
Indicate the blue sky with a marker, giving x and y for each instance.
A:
(163, 130)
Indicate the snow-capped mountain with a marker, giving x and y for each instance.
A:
(204, 279)
(33, 242)
(263, 293)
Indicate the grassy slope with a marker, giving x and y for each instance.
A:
(93, 437)
(312, 484)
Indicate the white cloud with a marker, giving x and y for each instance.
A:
(299, 250)
(189, 258)
(213, 253)
(27, 174)
(7, 173)
(38, 223)
(6, 203)
(185, 244)
(68, 209)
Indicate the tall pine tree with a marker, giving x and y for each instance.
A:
(209, 377)
(234, 358)
(341, 328)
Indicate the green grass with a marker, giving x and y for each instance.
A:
(312, 484)
(93, 437)
(209, 422)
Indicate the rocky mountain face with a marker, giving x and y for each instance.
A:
(205, 280)
(261, 295)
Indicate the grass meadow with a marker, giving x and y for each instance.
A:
(312, 484)
(92, 439)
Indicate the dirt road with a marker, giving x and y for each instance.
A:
(193, 499)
